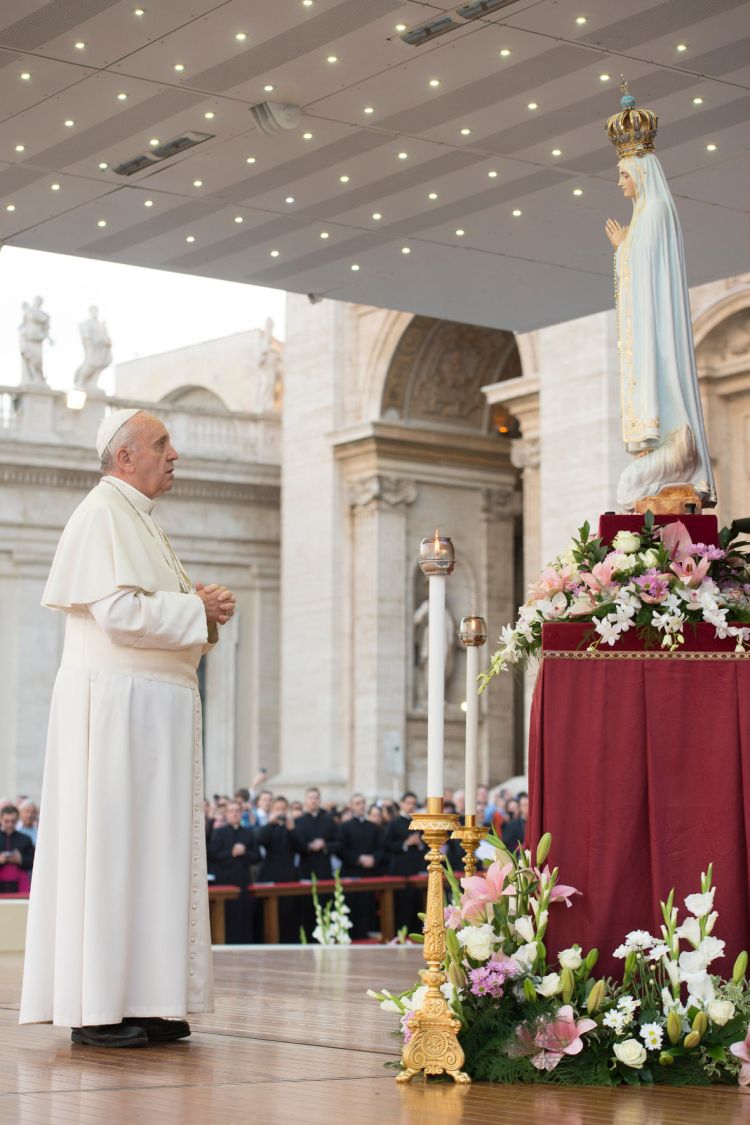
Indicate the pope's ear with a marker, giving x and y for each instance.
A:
(124, 460)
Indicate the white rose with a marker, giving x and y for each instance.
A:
(526, 955)
(525, 927)
(720, 1011)
(622, 563)
(630, 1053)
(478, 941)
(627, 542)
(570, 958)
(550, 985)
(649, 558)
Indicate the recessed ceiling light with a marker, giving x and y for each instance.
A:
(533, 105)
(580, 20)
(332, 58)
(682, 47)
(307, 3)
(197, 183)
(25, 76)
(154, 142)
(434, 81)
(505, 52)
(268, 88)
(190, 238)
(103, 164)
(697, 101)
(139, 11)
(209, 115)
(121, 96)
(406, 250)
(324, 234)
(604, 78)
(102, 223)
(577, 191)
(148, 203)
(69, 123)
(460, 232)
(241, 36)
(289, 199)
(400, 27)
(54, 187)
(432, 195)
(557, 152)
(238, 219)
(403, 155)
(179, 67)
(465, 132)
(376, 216)
(274, 253)
(307, 136)
(249, 159)
(711, 147)
(344, 179)
(492, 174)
(368, 109)
(20, 148)
(354, 267)
(10, 207)
(517, 213)
(80, 45)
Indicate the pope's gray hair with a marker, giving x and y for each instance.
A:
(120, 439)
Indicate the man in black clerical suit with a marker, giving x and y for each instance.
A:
(232, 851)
(514, 832)
(16, 850)
(319, 840)
(406, 851)
(361, 854)
(281, 846)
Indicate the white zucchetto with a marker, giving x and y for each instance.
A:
(111, 424)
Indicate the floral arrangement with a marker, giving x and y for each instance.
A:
(332, 921)
(656, 581)
(669, 1020)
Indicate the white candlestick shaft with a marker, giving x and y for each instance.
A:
(436, 687)
(472, 729)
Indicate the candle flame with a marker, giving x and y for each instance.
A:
(437, 540)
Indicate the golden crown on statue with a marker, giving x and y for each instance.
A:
(632, 130)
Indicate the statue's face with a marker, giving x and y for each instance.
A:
(626, 183)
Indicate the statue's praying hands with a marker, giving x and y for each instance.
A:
(614, 232)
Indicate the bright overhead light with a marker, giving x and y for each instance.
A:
(403, 155)
(103, 164)
(139, 11)
(102, 223)
(344, 179)
(577, 191)
(209, 115)
(557, 152)
(376, 216)
(711, 147)
(69, 123)
(324, 234)
(289, 199)
(241, 36)
(20, 148)
(460, 232)
(249, 159)
(332, 59)
(604, 78)
(400, 27)
(517, 213)
(238, 219)
(533, 105)
(368, 109)
(682, 47)
(148, 203)
(432, 195)
(434, 81)
(406, 250)
(25, 76)
(80, 45)
(274, 253)
(197, 183)
(190, 238)
(580, 20)
(354, 267)
(179, 67)
(697, 101)
(268, 88)
(307, 136)
(122, 96)
(307, 3)
(54, 187)
(10, 207)
(505, 52)
(492, 174)
(154, 142)
(465, 132)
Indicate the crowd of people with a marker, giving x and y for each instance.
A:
(258, 836)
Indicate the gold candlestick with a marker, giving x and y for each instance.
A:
(434, 1047)
(471, 835)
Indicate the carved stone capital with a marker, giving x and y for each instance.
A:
(378, 488)
(500, 503)
(525, 453)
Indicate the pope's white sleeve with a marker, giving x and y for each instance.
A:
(160, 620)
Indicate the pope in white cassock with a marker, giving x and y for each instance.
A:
(118, 944)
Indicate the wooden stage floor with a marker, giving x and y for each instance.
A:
(293, 1039)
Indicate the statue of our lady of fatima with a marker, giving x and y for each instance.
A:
(662, 417)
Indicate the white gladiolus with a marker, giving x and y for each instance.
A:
(524, 927)
(700, 905)
(525, 955)
(690, 930)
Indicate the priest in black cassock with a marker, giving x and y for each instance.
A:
(232, 852)
(319, 840)
(406, 851)
(281, 847)
(361, 855)
(16, 851)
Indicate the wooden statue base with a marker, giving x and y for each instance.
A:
(670, 501)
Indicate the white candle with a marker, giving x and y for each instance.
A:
(472, 729)
(436, 687)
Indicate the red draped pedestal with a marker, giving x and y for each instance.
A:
(639, 766)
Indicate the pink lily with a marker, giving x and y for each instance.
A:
(558, 1037)
(691, 571)
(481, 891)
(560, 890)
(549, 582)
(676, 538)
(742, 1051)
(600, 578)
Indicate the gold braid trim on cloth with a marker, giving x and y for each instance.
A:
(597, 655)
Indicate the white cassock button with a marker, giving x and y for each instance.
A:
(192, 956)
(192, 972)
(195, 890)
(192, 941)
(192, 923)
(195, 906)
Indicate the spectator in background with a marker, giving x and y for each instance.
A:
(16, 853)
(296, 809)
(514, 831)
(232, 851)
(319, 841)
(243, 796)
(263, 804)
(406, 853)
(29, 822)
(361, 854)
(281, 846)
(459, 802)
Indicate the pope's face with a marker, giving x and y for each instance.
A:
(150, 458)
(626, 183)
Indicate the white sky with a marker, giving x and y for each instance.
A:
(146, 311)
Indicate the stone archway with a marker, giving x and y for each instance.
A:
(438, 369)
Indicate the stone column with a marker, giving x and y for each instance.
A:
(378, 641)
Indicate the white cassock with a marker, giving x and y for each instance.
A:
(118, 918)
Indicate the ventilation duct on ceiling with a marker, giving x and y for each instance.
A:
(451, 21)
(272, 117)
(161, 152)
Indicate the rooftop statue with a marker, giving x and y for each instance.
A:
(33, 331)
(97, 350)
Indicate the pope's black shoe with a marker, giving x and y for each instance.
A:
(159, 1030)
(110, 1035)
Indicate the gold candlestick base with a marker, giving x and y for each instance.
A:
(434, 1047)
(471, 835)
